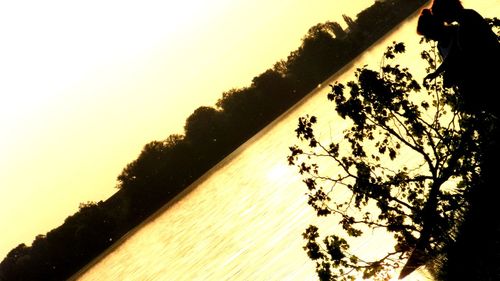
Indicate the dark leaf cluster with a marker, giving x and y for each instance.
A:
(420, 201)
(165, 168)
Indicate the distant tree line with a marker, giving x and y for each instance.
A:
(165, 168)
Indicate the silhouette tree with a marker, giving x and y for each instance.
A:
(337, 29)
(349, 21)
(165, 168)
(406, 163)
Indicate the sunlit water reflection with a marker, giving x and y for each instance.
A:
(244, 219)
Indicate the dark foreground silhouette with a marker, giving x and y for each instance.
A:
(165, 168)
(470, 53)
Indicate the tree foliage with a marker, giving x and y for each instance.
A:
(165, 168)
(407, 161)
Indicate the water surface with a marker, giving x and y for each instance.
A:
(243, 220)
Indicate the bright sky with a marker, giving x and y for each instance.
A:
(85, 84)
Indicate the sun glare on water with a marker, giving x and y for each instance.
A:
(279, 171)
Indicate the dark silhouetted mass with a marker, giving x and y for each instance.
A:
(165, 168)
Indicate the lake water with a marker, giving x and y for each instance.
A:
(243, 220)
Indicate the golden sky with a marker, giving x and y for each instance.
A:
(85, 84)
